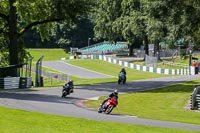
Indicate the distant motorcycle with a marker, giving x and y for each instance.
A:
(67, 89)
(108, 106)
(121, 78)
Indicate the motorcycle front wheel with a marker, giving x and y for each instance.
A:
(100, 109)
(64, 94)
(109, 110)
(119, 81)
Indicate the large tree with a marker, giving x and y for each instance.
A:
(191, 21)
(117, 20)
(106, 13)
(172, 20)
(133, 23)
(18, 16)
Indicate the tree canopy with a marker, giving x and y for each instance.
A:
(18, 16)
(147, 20)
(138, 22)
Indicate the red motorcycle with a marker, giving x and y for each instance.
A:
(108, 106)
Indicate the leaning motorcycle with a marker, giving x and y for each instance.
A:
(108, 106)
(121, 78)
(66, 90)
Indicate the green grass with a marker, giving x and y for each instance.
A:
(163, 104)
(150, 99)
(154, 98)
(102, 67)
(96, 65)
(113, 69)
(17, 121)
(110, 69)
(49, 54)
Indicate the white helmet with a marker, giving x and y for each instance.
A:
(115, 92)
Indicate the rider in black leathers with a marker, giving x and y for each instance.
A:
(124, 72)
(113, 94)
(71, 85)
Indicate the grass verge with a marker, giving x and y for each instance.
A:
(49, 54)
(113, 69)
(17, 121)
(165, 103)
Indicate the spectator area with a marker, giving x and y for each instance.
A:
(103, 48)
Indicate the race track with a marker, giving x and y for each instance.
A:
(49, 101)
(74, 70)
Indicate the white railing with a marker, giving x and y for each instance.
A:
(175, 65)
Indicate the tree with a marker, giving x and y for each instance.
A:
(18, 16)
(172, 20)
(116, 20)
(106, 13)
(192, 20)
(133, 26)
(73, 35)
(147, 20)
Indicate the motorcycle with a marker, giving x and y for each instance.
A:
(108, 106)
(67, 89)
(121, 78)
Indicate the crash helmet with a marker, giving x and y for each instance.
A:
(71, 81)
(123, 70)
(115, 92)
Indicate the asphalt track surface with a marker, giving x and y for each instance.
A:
(49, 101)
(74, 70)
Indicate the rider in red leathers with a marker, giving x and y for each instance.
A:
(113, 94)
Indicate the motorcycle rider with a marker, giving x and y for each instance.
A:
(71, 85)
(124, 72)
(113, 94)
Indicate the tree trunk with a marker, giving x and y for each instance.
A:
(157, 49)
(130, 50)
(146, 46)
(13, 48)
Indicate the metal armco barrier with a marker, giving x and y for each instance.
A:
(198, 101)
(195, 98)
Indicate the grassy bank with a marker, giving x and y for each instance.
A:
(49, 54)
(95, 65)
(163, 104)
(17, 121)
(110, 69)
(166, 103)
